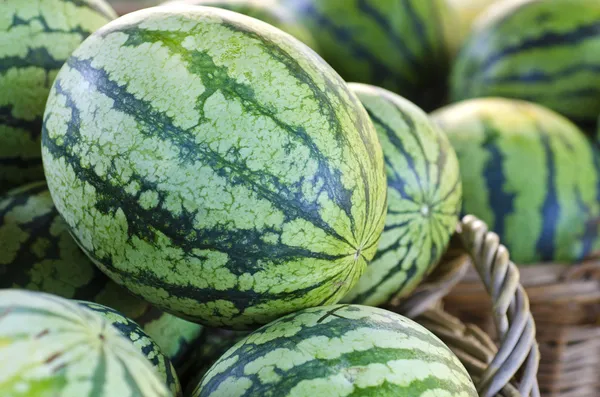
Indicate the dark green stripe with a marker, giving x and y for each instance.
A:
(501, 201)
(547, 40)
(551, 209)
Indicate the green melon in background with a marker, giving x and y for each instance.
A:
(340, 350)
(547, 52)
(530, 174)
(50, 346)
(424, 197)
(38, 253)
(214, 165)
(403, 46)
(269, 11)
(37, 36)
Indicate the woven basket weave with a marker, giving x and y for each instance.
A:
(565, 302)
(508, 367)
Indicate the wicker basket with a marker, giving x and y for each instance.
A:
(510, 368)
(565, 302)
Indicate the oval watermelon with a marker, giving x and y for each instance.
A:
(424, 197)
(38, 253)
(530, 174)
(403, 46)
(340, 350)
(214, 165)
(37, 38)
(142, 341)
(269, 11)
(547, 52)
(50, 346)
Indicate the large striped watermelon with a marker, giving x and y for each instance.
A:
(142, 341)
(547, 52)
(37, 253)
(340, 350)
(424, 197)
(404, 46)
(530, 174)
(50, 346)
(36, 38)
(269, 11)
(214, 165)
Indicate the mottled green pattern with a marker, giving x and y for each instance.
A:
(424, 197)
(50, 346)
(547, 52)
(142, 341)
(341, 350)
(36, 37)
(214, 165)
(38, 253)
(405, 46)
(530, 174)
(269, 11)
(467, 12)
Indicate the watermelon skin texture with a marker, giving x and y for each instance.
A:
(228, 176)
(547, 52)
(424, 197)
(339, 350)
(530, 174)
(37, 38)
(54, 347)
(269, 11)
(142, 341)
(404, 46)
(37, 253)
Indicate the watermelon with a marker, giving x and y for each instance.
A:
(269, 11)
(37, 253)
(50, 346)
(547, 52)
(339, 350)
(214, 165)
(142, 341)
(530, 174)
(37, 37)
(403, 46)
(424, 197)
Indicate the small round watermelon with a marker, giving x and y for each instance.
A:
(214, 165)
(50, 346)
(530, 174)
(547, 52)
(38, 253)
(339, 350)
(424, 197)
(142, 341)
(269, 11)
(403, 46)
(37, 37)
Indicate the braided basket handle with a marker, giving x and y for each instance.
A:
(513, 320)
(492, 368)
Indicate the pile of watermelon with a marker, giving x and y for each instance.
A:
(220, 197)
